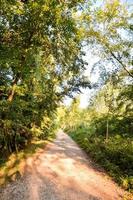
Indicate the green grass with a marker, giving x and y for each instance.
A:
(12, 167)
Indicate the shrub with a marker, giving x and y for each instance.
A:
(115, 155)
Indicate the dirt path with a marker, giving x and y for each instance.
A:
(62, 172)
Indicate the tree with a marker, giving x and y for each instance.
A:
(109, 27)
(109, 101)
(40, 63)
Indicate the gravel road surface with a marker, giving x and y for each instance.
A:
(62, 171)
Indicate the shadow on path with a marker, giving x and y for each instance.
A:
(61, 172)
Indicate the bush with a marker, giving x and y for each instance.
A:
(115, 155)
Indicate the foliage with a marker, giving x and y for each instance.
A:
(88, 128)
(108, 28)
(115, 155)
(13, 166)
(40, 63)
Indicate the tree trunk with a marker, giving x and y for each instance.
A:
(107, 130)
(12, 91)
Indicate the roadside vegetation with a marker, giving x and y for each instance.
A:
(105, 130)
(42, 61)
(115, 155)
(14, 166)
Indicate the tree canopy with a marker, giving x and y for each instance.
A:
(42, 61)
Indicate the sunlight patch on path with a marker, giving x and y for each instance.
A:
(62, 171)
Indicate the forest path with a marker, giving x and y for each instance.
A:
(62, 171)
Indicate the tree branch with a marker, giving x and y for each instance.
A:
(114, 56)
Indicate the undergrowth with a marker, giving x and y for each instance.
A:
(114, 155)
(13, 166)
